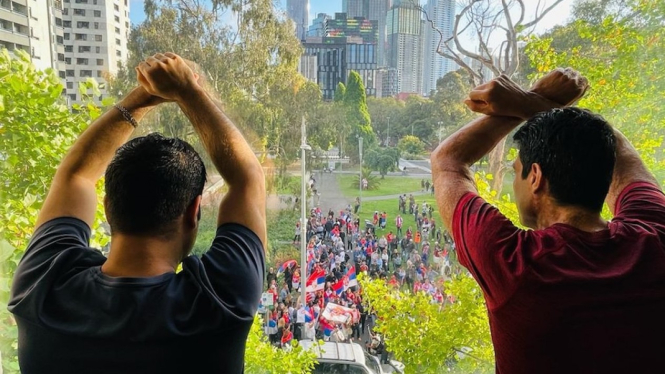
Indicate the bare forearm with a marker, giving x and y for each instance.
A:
(628, 168)
(94, 149)
(228, 149)
(473, 141)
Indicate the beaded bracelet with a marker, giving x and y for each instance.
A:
(126, 115)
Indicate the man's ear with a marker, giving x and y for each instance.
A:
(193, 213)
(536, 179)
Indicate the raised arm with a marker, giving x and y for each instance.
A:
(72, 192)
(168, 76)
(506, 105)
(628, 168)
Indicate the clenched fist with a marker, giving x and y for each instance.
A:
(167, 76)
(563, 86)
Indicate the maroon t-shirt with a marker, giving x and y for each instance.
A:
(561, 300)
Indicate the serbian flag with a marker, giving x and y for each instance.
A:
(309, 314)
(287, 264)
(338, 287)
(316, 281)
(351, 276)
(326, 327)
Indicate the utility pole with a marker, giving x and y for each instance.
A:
(304, 147)
(360, 178)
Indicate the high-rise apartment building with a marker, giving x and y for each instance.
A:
(95, 40)
(404, 30)
(80, 39)
(34, 26)
(441, 13)
(298, 11)
(373, 10)
(318, 26)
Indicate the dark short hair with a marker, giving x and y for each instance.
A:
(150, 182)
(575, 149)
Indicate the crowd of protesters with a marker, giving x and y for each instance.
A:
(414, 257)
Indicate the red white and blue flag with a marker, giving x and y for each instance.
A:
(351, 277)
(339, 287)
(316, 281)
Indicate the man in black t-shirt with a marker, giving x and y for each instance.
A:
(79, 312)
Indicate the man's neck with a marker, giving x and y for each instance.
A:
(142, 256)
(579, 218)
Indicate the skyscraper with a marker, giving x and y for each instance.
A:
(374, 10)
(404, 31)
(442, 15)
(318, 26)
(298, 11)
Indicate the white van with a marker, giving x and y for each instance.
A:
(344, 358)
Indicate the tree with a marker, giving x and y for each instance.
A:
(36, 131)
(492, 24)
(386, 114)
(340, 91)
(620, 49)
(411, 144)
(263, 358)
(448, 101)
(382, 160)
(355, 102)
(427, 337)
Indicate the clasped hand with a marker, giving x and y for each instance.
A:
(167, 76)
(503, 97)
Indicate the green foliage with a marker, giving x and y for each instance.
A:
(411, 144)
(382, 160)
(426, 336)
(355, 103)
(619, 49)
(36, 131)
(340, 91)
(373, 182)
(263, 358)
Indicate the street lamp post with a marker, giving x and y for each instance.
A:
(388, 137)
(360, 178)
(303, 213)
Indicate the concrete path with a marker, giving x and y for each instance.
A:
(331, 196)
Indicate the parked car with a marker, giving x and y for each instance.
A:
(346, 358)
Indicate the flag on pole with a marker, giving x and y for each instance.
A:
(316, 281)
(351, 276)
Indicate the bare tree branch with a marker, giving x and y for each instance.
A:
(539, 17)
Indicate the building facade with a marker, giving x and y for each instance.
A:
(441, 13)
(405, 46)
(95, 40)
(337, 57)
(373, 10)
(358, 27)
(298, 11)
(80, 39)
(318, 26)
(34, 27)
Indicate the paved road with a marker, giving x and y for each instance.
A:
(331, 196)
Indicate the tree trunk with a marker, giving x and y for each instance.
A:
(496, 166)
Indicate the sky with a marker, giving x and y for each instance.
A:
(557, 16)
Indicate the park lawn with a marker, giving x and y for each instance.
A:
(389, 186)
(390, 207)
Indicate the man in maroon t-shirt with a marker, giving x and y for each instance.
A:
(576, 294)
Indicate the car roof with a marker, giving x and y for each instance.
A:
(350, 352)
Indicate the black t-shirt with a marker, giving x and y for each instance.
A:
(72, 318)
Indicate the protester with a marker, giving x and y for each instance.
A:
(79, 312)
(576, 293)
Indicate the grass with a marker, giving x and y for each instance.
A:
(390, 207)
(389, 186)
